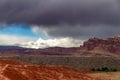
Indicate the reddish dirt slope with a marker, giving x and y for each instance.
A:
(13, 70)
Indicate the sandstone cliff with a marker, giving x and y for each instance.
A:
(97, 46)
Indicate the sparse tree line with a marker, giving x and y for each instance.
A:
(104, 69)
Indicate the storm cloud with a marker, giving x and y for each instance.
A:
(62, 18)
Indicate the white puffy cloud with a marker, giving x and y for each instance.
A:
(29, 42)
(38, 29)
(14, 40)
(58, 42)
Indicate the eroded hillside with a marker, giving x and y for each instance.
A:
(13, 70)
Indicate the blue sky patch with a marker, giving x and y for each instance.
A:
(20, 30)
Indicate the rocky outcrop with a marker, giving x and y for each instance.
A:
(109, 45)
(13, 70)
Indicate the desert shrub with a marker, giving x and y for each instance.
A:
(93, 69)
(104, 69)
(98, 69)
(113, 69)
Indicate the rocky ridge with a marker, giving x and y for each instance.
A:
(109, 46)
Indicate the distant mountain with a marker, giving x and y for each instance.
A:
(10, 47)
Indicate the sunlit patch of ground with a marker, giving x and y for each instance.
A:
(106, 75)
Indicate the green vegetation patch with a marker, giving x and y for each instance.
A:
(104, 69)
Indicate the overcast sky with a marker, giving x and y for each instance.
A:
(29, 20)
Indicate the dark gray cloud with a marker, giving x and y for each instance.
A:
(78, 31)
(75, 17)
(51, 12)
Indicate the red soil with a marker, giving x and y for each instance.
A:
(13, 70)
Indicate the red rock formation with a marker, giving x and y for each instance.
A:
(108, 46)
(13, 70)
